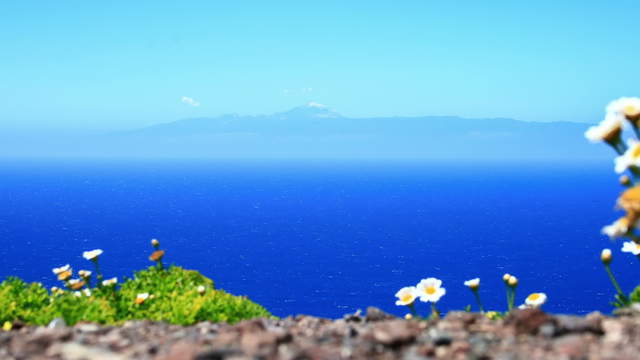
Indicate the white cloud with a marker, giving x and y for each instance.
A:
(300, 91)
(316, 105)
(190, 101)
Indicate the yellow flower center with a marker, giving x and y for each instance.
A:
(430, 290)
(631, 110)
(64, 275)
(406, 298)
(534, 297)
(635, 152)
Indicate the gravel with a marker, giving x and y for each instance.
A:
(525, 334)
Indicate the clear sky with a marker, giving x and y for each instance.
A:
(124, 64)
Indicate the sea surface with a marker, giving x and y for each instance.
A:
(324, 238)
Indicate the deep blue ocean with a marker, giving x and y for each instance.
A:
(324, 238)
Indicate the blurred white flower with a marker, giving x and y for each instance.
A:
(110, 282)
(61, 269)
(631, 247)
(430, 290)
(406, 295)
(627, 106)
(631, 157)
(473, 284)
(618, 229)
(84, 273)
(92, 255)
(141, 298)
(201, 289)
(607, 130)
(536, 299)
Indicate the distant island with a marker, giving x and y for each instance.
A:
(316, 131)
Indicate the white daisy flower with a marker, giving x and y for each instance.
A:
(631, 247)
(473, 284)
(92, 255)
(141, 298)
(607, 130)
(84, 273)
(430, 290)
(406, 295)
(618, 229)
(627, 106)
(61, 269)
(536, 299)
(631, 157)
(110, 282)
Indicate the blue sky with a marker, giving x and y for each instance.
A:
(88, 65)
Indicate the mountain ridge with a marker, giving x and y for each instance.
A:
(316, 131)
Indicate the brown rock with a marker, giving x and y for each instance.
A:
(375, 314)
(528, 321)
(394, 332)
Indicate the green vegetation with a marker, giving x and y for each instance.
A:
(170, 294)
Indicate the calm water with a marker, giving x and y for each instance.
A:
(323, 238)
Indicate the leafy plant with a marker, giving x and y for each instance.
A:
(170, 294)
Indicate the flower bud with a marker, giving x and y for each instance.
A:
(625, 180)
(506, 277)
(513, 281)
(606, 256)
(201, 289)
(408, 317)
(155, 243)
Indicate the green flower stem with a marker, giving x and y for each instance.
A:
(635, 171)
(99, 277)
(477, 295)
(412, 309)
(434, 311)
(636, 131)
(635, 238)
(511, 297)
(615, 282)
(618, 146)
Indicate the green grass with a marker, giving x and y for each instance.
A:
(173, 298)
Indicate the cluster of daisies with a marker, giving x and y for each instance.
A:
(430, 290)
(621, 114)
(81, 286)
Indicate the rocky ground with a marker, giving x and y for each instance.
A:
(527, 334)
